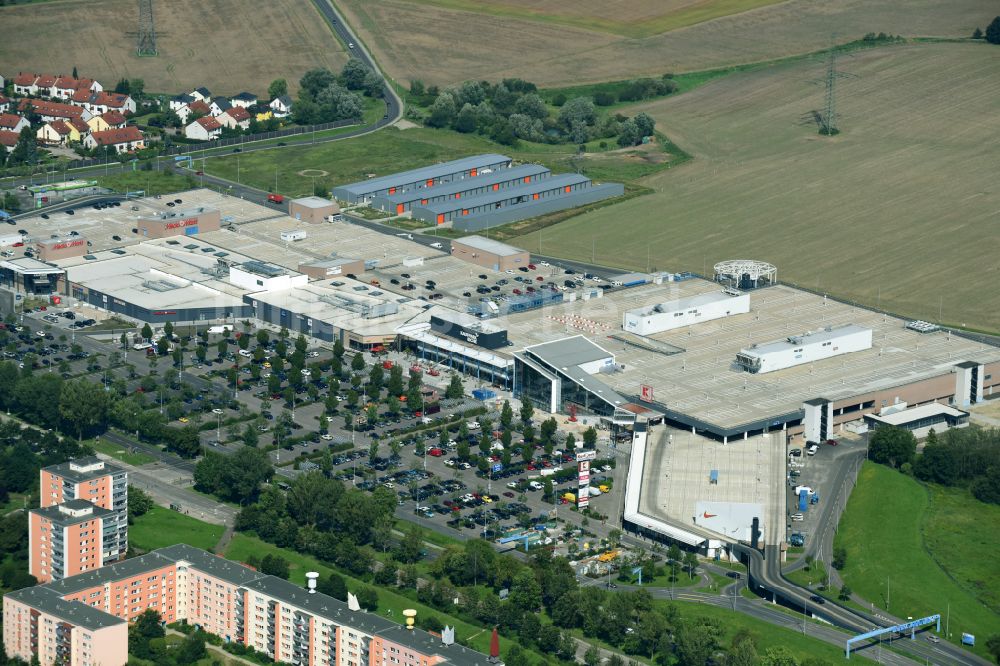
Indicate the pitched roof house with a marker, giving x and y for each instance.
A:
(123, 140)
(203, 129)
(13, 123)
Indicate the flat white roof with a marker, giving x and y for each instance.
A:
(682, 303)
(313, 202)
(811, 338)
(489, 245)
(916, 413)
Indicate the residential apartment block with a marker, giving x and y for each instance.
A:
(83, 520)
(278, 618)
(69, 538)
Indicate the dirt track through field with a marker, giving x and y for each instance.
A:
(901, 210)
(218, 44)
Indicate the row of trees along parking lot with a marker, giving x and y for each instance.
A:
(514, 110)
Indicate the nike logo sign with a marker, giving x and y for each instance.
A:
(709, 515)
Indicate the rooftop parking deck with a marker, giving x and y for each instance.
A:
(703, 382)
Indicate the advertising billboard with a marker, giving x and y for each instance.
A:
(485, 339)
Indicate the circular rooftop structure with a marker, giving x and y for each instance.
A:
(746, 273)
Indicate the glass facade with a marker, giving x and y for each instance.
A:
(534, 381)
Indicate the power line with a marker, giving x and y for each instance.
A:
(146, 38)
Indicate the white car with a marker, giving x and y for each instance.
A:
(306, 372)
(512, 484)
(341, 398)
(436, 246)
(474, 425)
(389, 484)
(216, 411)
(350, 45)
(543, 263)
(797, 517)
(811, 451)
(313, 354)
(509, 271)
(596, 278)
(449, 463)
(327, 437)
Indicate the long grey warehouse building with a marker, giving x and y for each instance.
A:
(402, 202)
(455, 209)
(425, 177)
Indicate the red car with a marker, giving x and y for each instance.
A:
(831, 442)
(531, 267)
(517, 292)
(436, 452)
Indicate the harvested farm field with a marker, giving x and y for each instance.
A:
(216, 44)
(901, 210)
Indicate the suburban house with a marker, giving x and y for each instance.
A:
(8, 139)
(54, 110)
(123, 140)
(57, 133)
(201, 95)
(66, 86)
(217, 106)
(244, 99)
(236, 117)
(81, 127)
(281, 106)
(24, 84)
(13, 123)
(113, 120)
(102, 102)
(179, 102)
(183, 112)
(203, 129)
(4, 104)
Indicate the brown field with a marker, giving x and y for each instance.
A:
(441, 44)
(218, 44)
(902, 209)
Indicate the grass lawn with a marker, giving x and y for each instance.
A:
(765, 635)
(243, 546)
(899, 550)
(430, 536)
(151, 182)
(162, 527)
(14, 501)
(116, 451)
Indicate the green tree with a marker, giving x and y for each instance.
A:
(527, 411)
(278, 88)
(367, 598)
(334, 586)
(146, 332)
(590, 438)
(455, 388)
(192, 648)
(839, 556)
(358, 362)
(442, 111)
(993, 647)
(250, 437)
(25, 150)
(525, 592)
(993, 31)
(83, 405)
(506, 415)
(845, 593)
(778, 656)
(892, 446)
(570, 444)
(274, 565)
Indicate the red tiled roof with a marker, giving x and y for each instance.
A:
(60, 127)
(199, 107)
(69, 83)
(8, 138)
(113, 137)
(9, 120)
(81, 127)
(4, 100)
(55, 109)
(110, 99)
(45, 81)
(23, 79)
(209, 123)
(238, 113)
(113, 118)
(82, 95)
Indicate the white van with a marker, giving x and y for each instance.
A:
(139, 346)
(534, 485)
(246, 353)
(811, 451)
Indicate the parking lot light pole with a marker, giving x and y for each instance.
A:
(218, 428)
